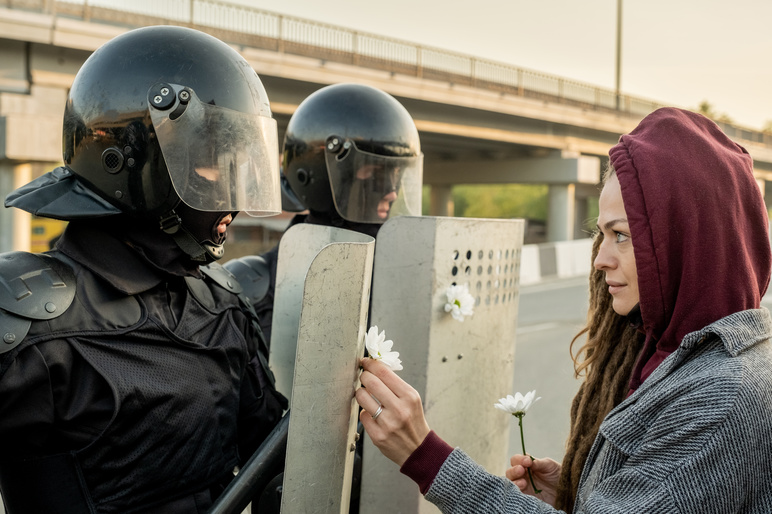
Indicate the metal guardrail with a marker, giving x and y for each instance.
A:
(238, 24)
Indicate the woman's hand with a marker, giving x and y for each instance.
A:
(545, 472)
(400, 427)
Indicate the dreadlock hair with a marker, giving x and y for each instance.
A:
(606, 359)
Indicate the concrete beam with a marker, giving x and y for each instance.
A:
(546, 170)
(26, 26)
(26, 138)
(310, 69)
(587, 190)
(512, 135)
(13, 66)
(42, 101)
(31, 125)
(83, 35)
(55, 66)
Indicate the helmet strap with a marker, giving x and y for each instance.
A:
(198, 251)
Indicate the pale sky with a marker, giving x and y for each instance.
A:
(675, 52)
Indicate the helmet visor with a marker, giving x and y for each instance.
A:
(219, 159)
(371, 188)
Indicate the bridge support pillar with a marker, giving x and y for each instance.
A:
(582, 213)
(14, 223)
(561, 212)
(441, 200)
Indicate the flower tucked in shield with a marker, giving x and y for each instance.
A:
(378, 347)
(517, 406)
(460, 302)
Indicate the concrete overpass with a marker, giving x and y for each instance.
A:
(480, 122)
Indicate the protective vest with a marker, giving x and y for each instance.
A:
(176, 394)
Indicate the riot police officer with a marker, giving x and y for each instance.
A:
(133, 376)
(352, 158)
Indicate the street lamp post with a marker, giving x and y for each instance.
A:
(619, 53)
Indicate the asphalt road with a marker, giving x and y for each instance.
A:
(549, 316)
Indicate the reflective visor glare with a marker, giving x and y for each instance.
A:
(370, 188)
(410, 204)
(221, 160)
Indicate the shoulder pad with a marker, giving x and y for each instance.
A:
(253, 273)
(35, 285)
(32, 287)
(13, 330)
(222, 277)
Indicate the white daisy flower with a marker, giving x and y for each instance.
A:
(378, 347)
(460, 302)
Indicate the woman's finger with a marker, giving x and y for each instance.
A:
(367, 401)
(516, 459)
(515, 472)
(396, 385)
(375, 386)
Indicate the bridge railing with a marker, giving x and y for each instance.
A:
(257, 28)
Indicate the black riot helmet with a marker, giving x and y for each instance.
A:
(353, 150)
(159, 117)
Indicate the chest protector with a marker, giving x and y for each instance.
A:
(176, 396)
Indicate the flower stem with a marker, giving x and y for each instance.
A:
(522, 440)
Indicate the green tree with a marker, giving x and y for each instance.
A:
(501, 201)
(496, 201)
(707, 110)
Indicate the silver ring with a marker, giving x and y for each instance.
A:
(378, 412)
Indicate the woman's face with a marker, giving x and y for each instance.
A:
(615, 256)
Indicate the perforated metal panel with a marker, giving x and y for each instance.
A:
(460, 368)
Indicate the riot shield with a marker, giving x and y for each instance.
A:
(460, 368)
(299, 246)
(328, 343)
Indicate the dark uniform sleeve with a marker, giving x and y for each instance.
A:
(51, 400)
(261, 405)
(26, 405)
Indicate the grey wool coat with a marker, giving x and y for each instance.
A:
(696, 437)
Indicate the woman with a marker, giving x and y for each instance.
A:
(607, 359)
(685, 249)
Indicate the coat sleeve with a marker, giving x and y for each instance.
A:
(463, 487)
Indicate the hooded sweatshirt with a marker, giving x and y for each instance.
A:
(698, 224)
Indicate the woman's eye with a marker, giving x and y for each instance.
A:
(620, 237)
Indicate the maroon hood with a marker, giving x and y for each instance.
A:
(698, 225)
